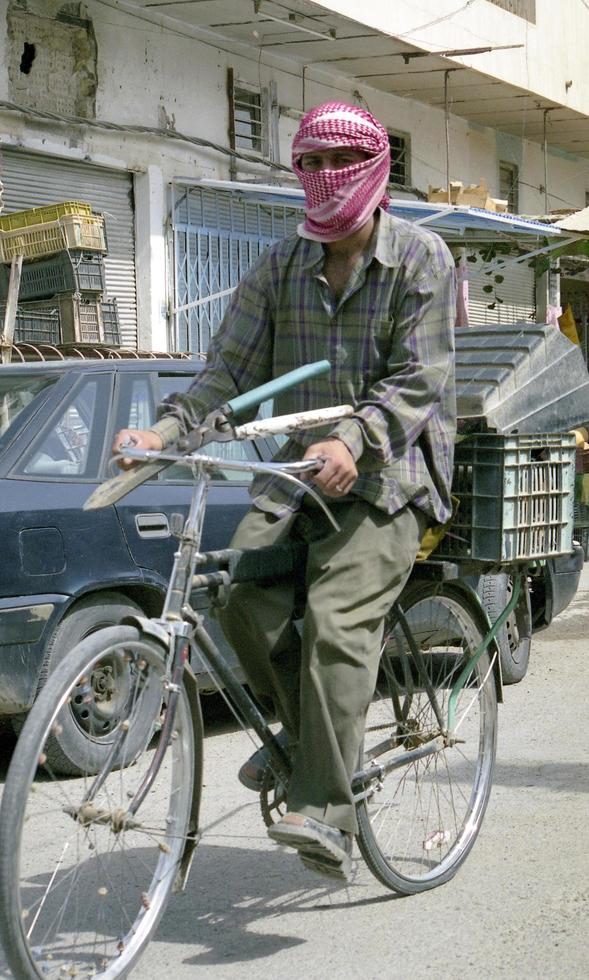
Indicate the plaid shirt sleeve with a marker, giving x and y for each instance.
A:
(239, 358)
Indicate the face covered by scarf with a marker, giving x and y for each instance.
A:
(339, 202)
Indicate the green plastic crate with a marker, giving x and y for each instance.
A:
(516, 498)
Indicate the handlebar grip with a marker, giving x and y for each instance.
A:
(255, 397)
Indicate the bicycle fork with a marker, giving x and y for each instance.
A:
(177, 635)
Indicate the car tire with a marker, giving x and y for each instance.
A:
(495, 592)
(74, 748)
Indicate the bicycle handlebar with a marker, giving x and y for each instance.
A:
(255, 397)
(288, 470)
(117, 487)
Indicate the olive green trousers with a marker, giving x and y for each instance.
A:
(320, 678)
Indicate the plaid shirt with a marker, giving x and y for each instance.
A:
(390, 340)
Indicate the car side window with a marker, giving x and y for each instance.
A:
(167, 385)
(139, 410)
(70, 445)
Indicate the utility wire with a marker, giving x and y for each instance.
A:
(438, 20)
(142, 130)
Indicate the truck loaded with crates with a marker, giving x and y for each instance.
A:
(61, 295)
(522, 392)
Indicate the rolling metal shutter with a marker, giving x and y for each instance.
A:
(517, 292)
(31, 180)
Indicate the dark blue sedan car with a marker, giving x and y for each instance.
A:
(65, 572)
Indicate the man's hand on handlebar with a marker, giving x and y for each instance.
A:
(139, 439)
(338, 473)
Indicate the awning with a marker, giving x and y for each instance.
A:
(577, 222)
(455, 223)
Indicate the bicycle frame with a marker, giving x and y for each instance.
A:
(181, 622)
(181, 627)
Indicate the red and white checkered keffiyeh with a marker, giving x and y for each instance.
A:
(339, 202)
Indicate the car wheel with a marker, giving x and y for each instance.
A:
(84, 737)
(514, 638)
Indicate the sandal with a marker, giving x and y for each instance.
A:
(321, 848)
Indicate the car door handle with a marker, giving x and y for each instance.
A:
(152, 525)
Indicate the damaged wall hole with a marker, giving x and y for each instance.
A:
(28, 56)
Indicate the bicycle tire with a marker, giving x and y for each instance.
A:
(82, 889)
(419, 822)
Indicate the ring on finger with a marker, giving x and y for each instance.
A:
(338, 488)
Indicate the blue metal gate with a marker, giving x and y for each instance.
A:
(218, 234)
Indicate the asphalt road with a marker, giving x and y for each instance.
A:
(517, 909)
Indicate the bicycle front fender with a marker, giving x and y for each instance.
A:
(151, 628)
(157, 631)
(193, 834)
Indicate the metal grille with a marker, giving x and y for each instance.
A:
(509, 185)
(248, 119)
(218, 235)
(511, 301)
(400, 172)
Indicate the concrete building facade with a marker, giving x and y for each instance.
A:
(149, 98)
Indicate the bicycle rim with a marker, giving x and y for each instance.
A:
(82, 886)
(419, 822)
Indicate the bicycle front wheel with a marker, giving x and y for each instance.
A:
(83, 883)
(418, 822)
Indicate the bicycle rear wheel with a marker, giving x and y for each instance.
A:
(419, 821)
(82, 886)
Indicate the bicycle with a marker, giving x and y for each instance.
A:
(82, 895)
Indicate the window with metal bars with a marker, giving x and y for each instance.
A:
(400, 172)
(247, 125)
(509, 185)
(521, 8)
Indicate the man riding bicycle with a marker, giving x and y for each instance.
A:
(374, 295)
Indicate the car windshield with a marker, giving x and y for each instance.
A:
(17, 393)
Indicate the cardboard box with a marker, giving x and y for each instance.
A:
(473, 195)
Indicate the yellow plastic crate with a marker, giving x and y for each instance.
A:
(70, 231)
(42, 215)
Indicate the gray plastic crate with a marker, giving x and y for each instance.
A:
(519, 378)
(110, 322)
(84, 318)
(581, 514)
(81, 319)
(516, 498)
(66, 272)
(36, 326)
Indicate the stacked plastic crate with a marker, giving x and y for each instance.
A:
(62, 288)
